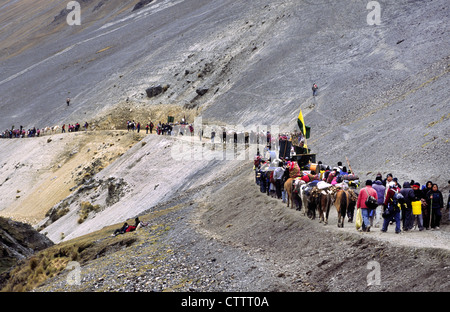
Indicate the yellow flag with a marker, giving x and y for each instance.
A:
(301, 125)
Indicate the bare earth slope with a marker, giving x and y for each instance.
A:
(383, 102)
(258, 61)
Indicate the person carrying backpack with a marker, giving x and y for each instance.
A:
(362, 204)
(392, 208)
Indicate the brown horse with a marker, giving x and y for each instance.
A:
(292, 189)
(342, 201)
(322, 201)
(324, 205)
(288, 189)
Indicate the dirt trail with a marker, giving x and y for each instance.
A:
(325, 256)
(258, 203)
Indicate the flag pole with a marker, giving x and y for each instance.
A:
(348, 163)
(303, 129)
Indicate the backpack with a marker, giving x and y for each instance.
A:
(397, 200)
(395, 205)
(371, 202)
(271, 178)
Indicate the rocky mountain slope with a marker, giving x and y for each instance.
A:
(257, 62)
(19, 241)
(382, 102)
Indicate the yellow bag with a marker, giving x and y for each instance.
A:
(358, 219)
(416, 207)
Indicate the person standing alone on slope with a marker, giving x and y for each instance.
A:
(314, 89)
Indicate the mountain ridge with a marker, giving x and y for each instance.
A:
(382, 103)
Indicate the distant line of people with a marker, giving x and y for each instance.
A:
(20, 133)
(36, 132)
(181, 128)
(74, 128)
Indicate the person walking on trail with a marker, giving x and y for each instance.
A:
(418, 196)
(426, 210)
(314, 89)
(213, 135)
(408, 194)
(380, 189)
(435, 201)
(68, 101)
(391, 208)
(389, 178)
(278, 177)
(361, 204)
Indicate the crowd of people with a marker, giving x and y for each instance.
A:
(36, 132)
(178, 128)
(409, 205)
(74, 128)
(20, 133)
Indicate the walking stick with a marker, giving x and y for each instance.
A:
(431, 208)
(348, 163)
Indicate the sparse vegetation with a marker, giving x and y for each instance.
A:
(443, 118)
(86, 209)
(48, 263)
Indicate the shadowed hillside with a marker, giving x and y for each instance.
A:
(18, 241)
